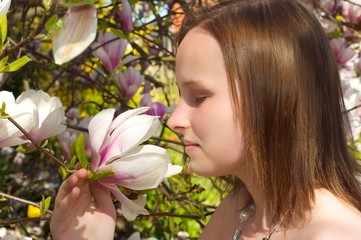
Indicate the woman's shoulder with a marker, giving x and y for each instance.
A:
(332, 219)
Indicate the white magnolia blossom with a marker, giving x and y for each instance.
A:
(79, 31)
(4, 6)
(21, 113)
(48, 114)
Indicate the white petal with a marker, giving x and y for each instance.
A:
(142, 168)
(134, 131)
(129, 213)
(173, 170)
(98, 130)
(10, 135)
(80, 26)
(4, 6)
(126, 202)
(127, 114)
(51, 126)
(135, 236)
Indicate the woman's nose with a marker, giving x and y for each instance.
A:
(179, 120)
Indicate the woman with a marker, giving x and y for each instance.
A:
(260, 100)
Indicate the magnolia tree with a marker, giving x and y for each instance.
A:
(90, 83)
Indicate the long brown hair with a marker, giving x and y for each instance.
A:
(287, 97)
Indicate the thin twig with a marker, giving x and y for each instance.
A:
(33, 34)
(36, 143)
(20, 220)
(22, 200)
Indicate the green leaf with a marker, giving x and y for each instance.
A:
(54, 24)
(63, 173)
(3, 107)
(44, 205)
(3, 61)
(14, 66)
(80, 151)
(72, 162)
(3, 29)
(118, 33)
(101, 175)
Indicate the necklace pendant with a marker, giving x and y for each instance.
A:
(236, 234)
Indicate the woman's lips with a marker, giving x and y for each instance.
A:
(190, 146)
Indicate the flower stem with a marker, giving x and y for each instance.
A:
(36, 143)
(22, 200)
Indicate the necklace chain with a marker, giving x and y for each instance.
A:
(244, 215)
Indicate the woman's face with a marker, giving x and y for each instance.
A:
(204, 114)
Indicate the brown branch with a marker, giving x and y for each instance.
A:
(33, 34)
(22, 200)
(37, 145)
(21, 220)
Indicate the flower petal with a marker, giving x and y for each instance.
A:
(51, 126)
(173, 170)
(134, 131)
(80, 26)
(10, 135)
(4, 6)
(98, 130)
(126, 202)
(126, 16)
(142, 168)
(129, 213)
(127, 114)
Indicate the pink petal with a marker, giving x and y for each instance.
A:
(142, 168)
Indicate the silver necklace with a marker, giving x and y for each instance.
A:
(244, 216)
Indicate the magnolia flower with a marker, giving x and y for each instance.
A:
(342, 53)
(126, 16)
(351, 12)
(21, 113)
(115, 147)
(155, 108)
(129, 82)
(79, 31)
(68, 137)
(330, 5)
(48, 114)
(4, 6)
(110, 51)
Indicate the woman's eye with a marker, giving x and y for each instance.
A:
(198, 100)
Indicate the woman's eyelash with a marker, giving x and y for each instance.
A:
(199, 99)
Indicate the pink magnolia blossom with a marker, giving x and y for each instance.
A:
(351, 12)
(79, 31)
(21, 113)
(48, 114)
(129, 82)
(110, 51)
(116, 146)
(68, 137)
(331, 6)
(126, 16)
(342, 53)
(155, 108)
